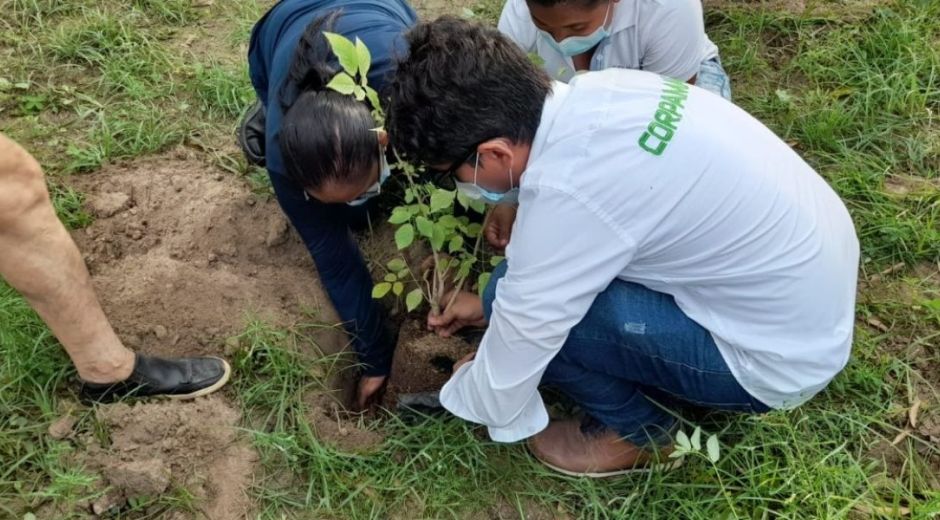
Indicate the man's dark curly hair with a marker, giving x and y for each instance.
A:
(462, 84)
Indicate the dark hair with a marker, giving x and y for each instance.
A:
(576, 3)
(324, 135)
(462, 84)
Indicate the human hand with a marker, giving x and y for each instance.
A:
(466, 310)
(369, 392)
(499, 226)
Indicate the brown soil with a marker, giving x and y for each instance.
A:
(182, 254)
(423, 361)
(153, 447)
(339, 428)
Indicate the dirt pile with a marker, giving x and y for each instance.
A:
(181, 255)
(151, 448)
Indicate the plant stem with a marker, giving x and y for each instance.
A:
(476, 248)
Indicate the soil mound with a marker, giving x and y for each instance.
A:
(181, 255)
(151, 448)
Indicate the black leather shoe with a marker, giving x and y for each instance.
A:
(176, 378)
(251, 134)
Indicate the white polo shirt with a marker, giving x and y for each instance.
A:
(635, 177)
(662, 36)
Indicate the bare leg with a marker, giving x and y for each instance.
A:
(40, 260)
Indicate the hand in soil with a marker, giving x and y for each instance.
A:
(466, 310)
(369, 392)
(499, 226)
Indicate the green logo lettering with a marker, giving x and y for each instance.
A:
(665, 121)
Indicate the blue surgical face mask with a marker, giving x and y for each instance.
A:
(475, 192)
(575, 45)
(384, 173)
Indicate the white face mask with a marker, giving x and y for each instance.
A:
(575, 45)
(475, 192)
(384, 173)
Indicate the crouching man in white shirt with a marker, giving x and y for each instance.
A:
(668, 246)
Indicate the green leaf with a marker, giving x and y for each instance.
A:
(478, 205)
(455, 243)
(390, 277)
(342, 83)
(359, 92)
(683, 441)
(373, 97)
(465, 267)
(381, 289)
(697, 438)
(438, 236)
(463, 200)
(413, 299)
(345, 51)
(398, 288)
(364, 59)
(425, 227)
(396, 264)
(711, 445)
(442, 199)
(409, 196)
(474, 229)
(496, 260)
(404, 236)
(399, 216)
(482, 281)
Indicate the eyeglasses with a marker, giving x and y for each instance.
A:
(447, 179)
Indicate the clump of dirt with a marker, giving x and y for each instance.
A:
(423, 361)
(152, 447)
(340, 428)
(182, 254)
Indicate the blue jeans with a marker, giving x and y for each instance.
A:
(632, 348)
(712, 76)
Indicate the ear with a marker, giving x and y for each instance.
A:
(497, 150)
(383, 136)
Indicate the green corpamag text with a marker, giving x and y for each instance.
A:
(668, 114)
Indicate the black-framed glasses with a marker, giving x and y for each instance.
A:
(447, 179)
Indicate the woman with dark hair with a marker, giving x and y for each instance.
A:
(323, 154)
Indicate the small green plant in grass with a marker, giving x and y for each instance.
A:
(686, 445)
(428, 212)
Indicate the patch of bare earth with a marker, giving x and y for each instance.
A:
(154, 447)
(180, 255)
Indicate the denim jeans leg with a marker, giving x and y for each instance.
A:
(712, 77)
(635, 343)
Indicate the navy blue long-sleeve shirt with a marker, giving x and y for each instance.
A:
(325, 228)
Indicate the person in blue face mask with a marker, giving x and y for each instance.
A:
(325, 157)
(662, 36)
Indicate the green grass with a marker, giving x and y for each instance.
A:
(854, 88)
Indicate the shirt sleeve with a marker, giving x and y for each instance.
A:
(562, 254)
(516, 23)
(674, 39)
